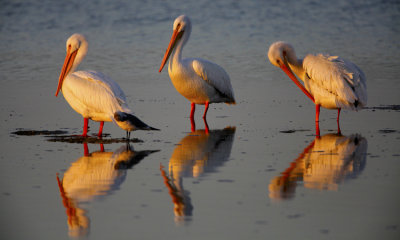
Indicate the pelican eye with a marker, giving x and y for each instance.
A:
(178, 26)
(278, 62)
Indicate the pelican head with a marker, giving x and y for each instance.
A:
(280, 53)
(76, 48)
(181, 32)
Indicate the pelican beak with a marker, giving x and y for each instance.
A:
(285, 67)
(68, 62)
(176, 35)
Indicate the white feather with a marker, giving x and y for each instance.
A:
(93, 95)
(199, 80)
(214, 75)
(335, 82)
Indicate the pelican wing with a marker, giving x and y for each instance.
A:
(215, 76)
(334, 75)
(97, 92)
(108, 83)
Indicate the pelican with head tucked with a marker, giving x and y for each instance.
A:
(200, 81)
(92, 94)
(329, 81)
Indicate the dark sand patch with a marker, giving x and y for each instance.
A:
(385, 107)
(294, 130)
(58, 136)
(23, 132)
(80, 139)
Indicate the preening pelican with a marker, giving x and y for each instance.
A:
(200, 81)
(329, 81)
(92, 94)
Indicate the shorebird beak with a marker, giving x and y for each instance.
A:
(68, 62)
(176, 35)
(285, 67)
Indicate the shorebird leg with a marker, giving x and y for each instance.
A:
(100, 129)
(206, 125)
(193, 108)
(192, 124)
(206, 110)
(85, 127)
(317, 109)
(317, 133)
(338, 114)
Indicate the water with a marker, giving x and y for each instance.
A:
(260, 173)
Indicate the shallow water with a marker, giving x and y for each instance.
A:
(260, 172)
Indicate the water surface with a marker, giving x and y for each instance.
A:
(260, 172)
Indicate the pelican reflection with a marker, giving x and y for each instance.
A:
(92, 176)
(198, 153)
(323, 165)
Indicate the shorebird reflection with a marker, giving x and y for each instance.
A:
(92, 176)
(199, 152)
(323, 165)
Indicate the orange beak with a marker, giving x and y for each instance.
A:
(174, 39)
(284, 66)
(68, 62)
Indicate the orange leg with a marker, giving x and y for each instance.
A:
(206, 126)
(317, 109)
(85, 127)
(338, 123)
(100, 129)
(338, 114)
(192, 124)
(193, 108)
(317, 134)
(339, 132)
(206, 110)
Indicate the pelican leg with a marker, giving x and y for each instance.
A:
(101, 147)
(193, 108)
(317, 109)
(100, 129)
(339, 132)
(206, 126)
(206, 110)
(85, 126)
(317, 133)
(338, 122)
(192, 124)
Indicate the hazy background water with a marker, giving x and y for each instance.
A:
(226, 193)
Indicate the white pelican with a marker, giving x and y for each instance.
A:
(92, 94)
(200, 81)
(330, 81)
